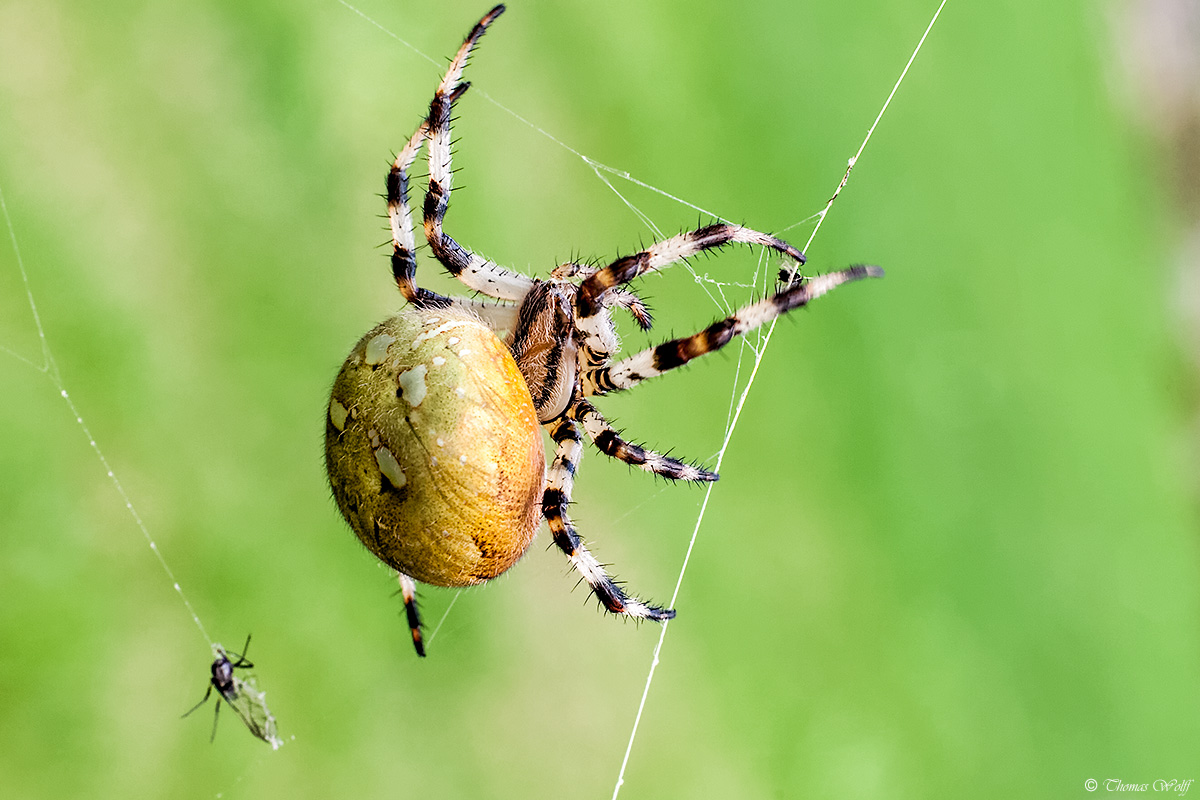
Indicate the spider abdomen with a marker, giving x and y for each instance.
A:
(433, 448)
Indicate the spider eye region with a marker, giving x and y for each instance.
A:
(433, 448)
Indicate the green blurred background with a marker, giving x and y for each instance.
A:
(953, 549)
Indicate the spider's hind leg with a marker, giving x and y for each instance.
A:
(609, 442)
(404, 262)
(475, 271)
(560, 479)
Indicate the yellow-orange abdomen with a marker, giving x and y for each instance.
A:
(433, 448)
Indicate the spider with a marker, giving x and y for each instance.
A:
(434, 428)
(241, 695)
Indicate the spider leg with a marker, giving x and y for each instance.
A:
(609, 442)
(560, 479)
(677, 352)
(498, 316)
(473, 270)
(595, 290)
(408, 590)
(404, 262)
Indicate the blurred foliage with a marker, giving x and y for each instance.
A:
(953, 549)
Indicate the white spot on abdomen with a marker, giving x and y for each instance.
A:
(412, 385)
(390, 467)
(438, 361)
(337, 414)
(377, 348)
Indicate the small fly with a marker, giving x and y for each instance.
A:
(242, 696)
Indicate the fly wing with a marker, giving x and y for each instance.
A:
(251, 706)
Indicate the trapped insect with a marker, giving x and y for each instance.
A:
(241, 695)
(433, 438)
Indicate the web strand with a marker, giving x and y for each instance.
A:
(759, 353)
(49, 368)
(445, 614)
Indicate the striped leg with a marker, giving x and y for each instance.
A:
(677, 352)
(404, 262)
(609, 442)
(560, 479)
(408, 590)
(593, 292)
(619, 296)
(475, 271)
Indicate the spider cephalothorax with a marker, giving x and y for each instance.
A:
(433, 433)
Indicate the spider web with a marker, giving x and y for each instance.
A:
(747, 369)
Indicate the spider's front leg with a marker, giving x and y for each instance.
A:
(595, 292)
(604, 288)
(655, 361)
(560, 479)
